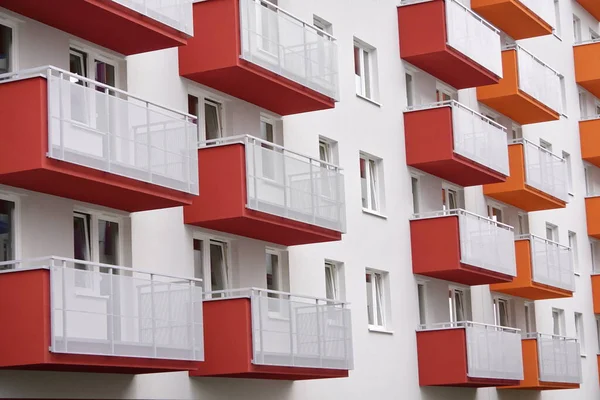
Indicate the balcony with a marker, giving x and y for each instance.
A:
(449, 41)
(85, 317)
(72, 137)
(262, 334)
(596, 289)
(529, 92)
(587, 64)
(125, 26)
(462, 247)
(550, 362)
(591, 6)
(257, 52)
(257, 189)
(589, 137)
(469, 354)
(544, 270)
(455, 143)
(537, 181)
(520, 19)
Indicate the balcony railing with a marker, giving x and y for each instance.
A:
(106, 310)
(297, 331)
(538, 80)
(484, 243)
(552, 263)
(544, 171)
(493, 352)
(475, 136)
(104, 128)
(291, 185)
(174, 13)
(281, 43)
(558, 357)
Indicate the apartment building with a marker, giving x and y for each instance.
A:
(283, 199)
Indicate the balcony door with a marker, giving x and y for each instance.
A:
(211, 264)
(459, 304)
(7, 232)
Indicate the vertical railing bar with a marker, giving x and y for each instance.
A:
(291, 330)
(64, 302)
(193, 289)
(112, 312)
(149, 144)
(260, 327)
(254, 152)
(286, 206)
(52, 303)
(319, 336)
(152, 315)
(108, 133)
(312, 193)
(61, 113)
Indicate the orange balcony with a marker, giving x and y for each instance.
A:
(260, 334)
(529, 92)
(75, 138)
(544, 270)
(591, 6)
(127, 27)
(455, 143)
(71, 315)
(449, 41)
(537, 181)
(515, 17)
(462, 247)
(259, 53)
(260, 190)
(589, 137)
(469, 354)
(592, 210)
(587, 65)
(596, 291)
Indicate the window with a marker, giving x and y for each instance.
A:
(371, 189)
(530, 326)
(452, 197)
(495, 213)
(574, 250)
(551, 232)
(567, 158)
(579, 331)
(457, 305)
(563, 95)
(364, 69)
(558, 28)
(421, 294)
(268, 157)
(7, 231)
(558, 322)
(523, 226)
(332, 281)
(267, 26)
(414, 181)
(376, 299)
(328, 150)
(594, 35)
(598, 329)
(323, 25)
(409, 90)
(595, 249)
(582, 104)
(502, 315)
(576, 29)
(597, 109)
(6, 49)
(211, 264)
(516, 132)
(444, 93)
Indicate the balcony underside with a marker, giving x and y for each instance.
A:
(519, 107)
(592, 211)
(512, 17)
(591, 6)
(596, 293)
(527, 199)
(533, 291)
(101, 22)
(461, 171)
(467, 275)
(589, 137)
(587, 62)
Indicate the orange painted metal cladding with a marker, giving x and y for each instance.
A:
(591, 6)
(523, 285)
(25, 334)
(102, 22)
(587, 66)
(435, 244)
(423, 43)
(24, 164)
(442, 356)
(515, 190)
(592, 211)
(212, 58)
(506, 97)
(228, 347)
(589, 137)
(430, 148)
(512, 17)
(596, 293)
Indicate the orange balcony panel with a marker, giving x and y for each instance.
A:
(102, 22)
(424, 43)
(589, 137)
(512, 17)
(587, 66)
(24, 162)
(596, 293)
(214, 57)
(430, 147)
(25, 338)
(507, 98)
(591, 6)
(516, 192)
(228, 345)
(524, 284)
(592, 209)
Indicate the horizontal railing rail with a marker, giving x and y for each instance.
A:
(252, 291)
(467, 9)
(463, 324)
(174, 13)
(454, 103)
(459, 211)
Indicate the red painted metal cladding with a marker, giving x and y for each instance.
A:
(423, 43)
(103, 22)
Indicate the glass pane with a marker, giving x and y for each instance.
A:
(379, 298)
(217, 266)
(329, 282)
(421, 295)
(6, 230)
(357, 61)
(363, 183)
(5, 48)
(272, 261)
(370, 314)
(459, 309)
(105, 73)
(367, 62)
(198, 260)
(212, 120)
(415, 194)
(373, 188)
(81, 236)
(108, 242)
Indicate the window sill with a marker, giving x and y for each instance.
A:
(380, 329)
(577, 273)
(571, 194)
(360, 96)
(373, 213)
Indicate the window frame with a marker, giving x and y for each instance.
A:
(15, 220)
(373, 183)
(12, 24)
(409, 85)
(580, 331)
(572, 237)
(567, 157)
(383, 325)
(491, 207)
(365, 74)
(508, 305)
(529, 313)
(334, 269)
(553, 230)
(523, 222)
(207, 241)
(577, 32)
(458, 193)
(464, 294)
(560, 313)
(415, 192)
(422, 305)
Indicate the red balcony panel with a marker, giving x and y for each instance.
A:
(102, 22)
(424, 43)
(213, 57)
(24, 162)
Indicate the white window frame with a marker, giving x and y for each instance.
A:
(374, 190)
(523, 223)
(464, 294)
(366, 82)
(582, 96)
(598, 329)
(207, 240)
(16, 220)
(491, 206)
(567, 157)
(334, 268)
(410, 88)
(560, 314)
(204, 96)
(13, 24)
(444, 89)
(322, 24)
(574, 251)
(458, 193)
(95, 53)
(382, 325)
(508, 305)
(516, 131)
(576, 29)
(415, 192)
(546, 145)
(423, 314)
(594, 35)
(530, 322)
(554, 232)
(580, 331)
(557, 31)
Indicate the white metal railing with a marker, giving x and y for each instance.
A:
(107, 310)
(543, 8)
(104, 128)
(544, 170)
(484, 243)
(538, 79)
(558, 358)
(551, 263)
(284, 44)
(297, 331)
(475, 136)
(493, 352)
(291, 185)
(174, 13)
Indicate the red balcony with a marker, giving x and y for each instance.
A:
(591, 6)
(462, 247)
(126, 29)
(455, 143)
(257, 52)
(469, 354)
(450, 42)
(264, 335)
(79, 142)
(69, 315)
(255, 189)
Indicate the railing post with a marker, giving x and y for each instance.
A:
(312, 194)
(149, 142)
(152, 315)
(61, 112)
(108, 133)
(192, 322)
(291, 329)
(260, 328)
(319, 336)
(344, 336)
(286, 206)
(254, 147)
(111, 318)
(64, 303)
